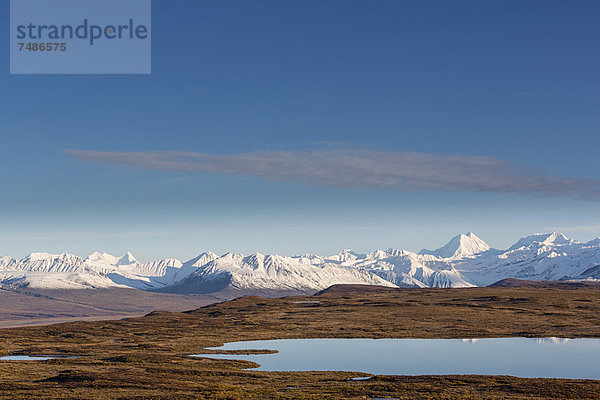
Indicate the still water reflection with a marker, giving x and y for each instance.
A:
(523, 357)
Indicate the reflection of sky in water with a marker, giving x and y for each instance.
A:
(31, 358)
(524, 357)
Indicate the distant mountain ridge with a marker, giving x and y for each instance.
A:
(465, 261)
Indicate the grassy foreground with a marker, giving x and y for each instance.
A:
(147, 357)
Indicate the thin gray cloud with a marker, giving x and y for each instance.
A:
(405, 171)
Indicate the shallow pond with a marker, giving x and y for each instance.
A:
(523, 357)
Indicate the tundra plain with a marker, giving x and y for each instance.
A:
(147, 357)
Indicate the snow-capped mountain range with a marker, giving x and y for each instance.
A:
(464, 262)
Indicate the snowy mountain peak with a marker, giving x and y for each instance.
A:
(548, 239)
(202, 259)
(594, 242)
(460, 246)
(40, 256)
(48, 257)
(102, 259)
(346, 255)
(126, 259)
(256, 259)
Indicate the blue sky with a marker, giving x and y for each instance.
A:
(416, 83)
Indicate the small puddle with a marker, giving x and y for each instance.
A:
(35, 358)
(306, 302)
